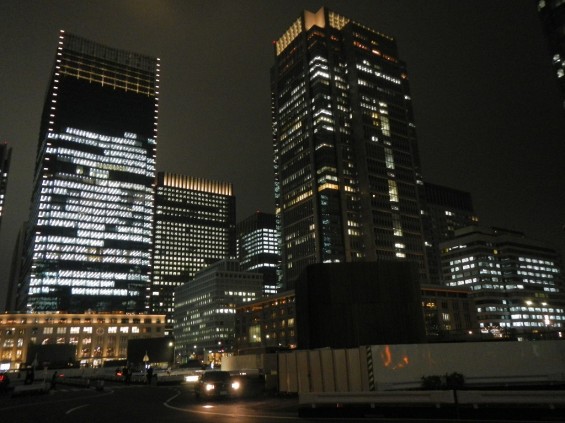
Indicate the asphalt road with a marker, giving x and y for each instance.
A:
(176, 404)
(140, 404)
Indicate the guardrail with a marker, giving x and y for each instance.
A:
(434, 398)
(136, 378)
(475, 399)
(483, 398)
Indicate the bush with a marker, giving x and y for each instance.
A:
(432, 383)
(454, 381)
(449, 381)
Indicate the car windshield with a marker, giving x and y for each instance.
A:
(215, 376)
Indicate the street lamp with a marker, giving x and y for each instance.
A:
(145, 359)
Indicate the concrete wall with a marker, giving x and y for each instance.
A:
(263, 364)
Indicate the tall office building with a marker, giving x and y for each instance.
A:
(5, 155)
(516, 282)
(89, 239)
(258, 248)
(552, 14)
(347, 172)
(446, 210)
(194, 227)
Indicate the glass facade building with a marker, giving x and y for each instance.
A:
(194, 227)
(258, 248)
(516, 282)
(347, 172)
(89, 236)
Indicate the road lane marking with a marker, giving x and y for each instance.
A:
(177, 393)
(212, 413)
(49, 401)
(76, 408)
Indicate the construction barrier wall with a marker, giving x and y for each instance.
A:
(395, 367)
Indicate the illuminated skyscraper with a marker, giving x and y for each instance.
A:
(194, 227)
(258, 248)
(89, 238)
(5, 154)
(347, 172)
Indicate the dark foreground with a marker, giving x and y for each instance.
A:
(117, 402)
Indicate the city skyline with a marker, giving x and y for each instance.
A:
(463, 91)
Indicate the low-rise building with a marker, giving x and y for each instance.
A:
(266, 325)
(449, 314)
(97, 337)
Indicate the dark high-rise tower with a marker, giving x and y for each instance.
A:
(447, 210)
(194, 227)
(5, 154)
(89, 238)
(347, 172)
(552, 14)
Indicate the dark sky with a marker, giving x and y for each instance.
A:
(486, 103)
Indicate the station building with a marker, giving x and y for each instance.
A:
(97, 337)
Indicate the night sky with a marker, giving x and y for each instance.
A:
(487, 106)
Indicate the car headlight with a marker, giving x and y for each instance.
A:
(235, 385)
(191, 378)
(209, 387)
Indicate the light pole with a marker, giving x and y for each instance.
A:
(145, 359)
